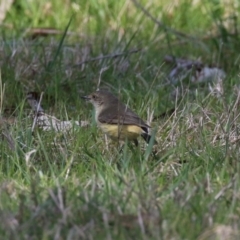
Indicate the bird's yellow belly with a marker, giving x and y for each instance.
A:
(121, 132)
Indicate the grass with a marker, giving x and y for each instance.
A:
(76, 184)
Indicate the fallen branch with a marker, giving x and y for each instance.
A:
(49, 122)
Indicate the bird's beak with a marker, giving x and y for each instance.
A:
(87, 98)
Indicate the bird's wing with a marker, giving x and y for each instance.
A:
(128, 117)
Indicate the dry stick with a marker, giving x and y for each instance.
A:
(115, 55)
(36, 113)
(160, 24)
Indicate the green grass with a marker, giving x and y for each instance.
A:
(76, 184)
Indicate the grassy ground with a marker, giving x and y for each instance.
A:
(75, 184)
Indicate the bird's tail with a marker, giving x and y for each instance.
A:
(147, 137)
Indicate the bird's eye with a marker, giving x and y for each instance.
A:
(94, 96)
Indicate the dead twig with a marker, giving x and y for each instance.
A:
(160, 24)
(113, 55)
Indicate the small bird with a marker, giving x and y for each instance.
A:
(117, 120)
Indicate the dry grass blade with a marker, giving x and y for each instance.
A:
(5, 5)
(8, 137)
(35, 102)
(37, 110)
